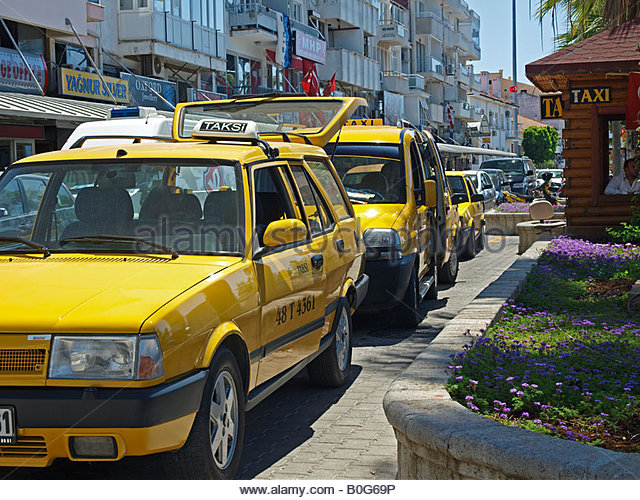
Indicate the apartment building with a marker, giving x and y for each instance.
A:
(494, 126)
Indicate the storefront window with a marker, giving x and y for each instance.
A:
(71, 56)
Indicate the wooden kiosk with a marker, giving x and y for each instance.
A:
(593, 77)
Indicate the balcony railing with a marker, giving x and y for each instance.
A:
(430, 65)
(392, 32)
(167, 28)
(394, 81)
(416, 82)
(351, 68)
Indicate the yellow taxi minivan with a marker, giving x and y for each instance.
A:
(185, 282)
(471, 210)
(396, 182)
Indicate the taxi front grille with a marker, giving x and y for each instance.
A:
(22, 360)
(25, 447)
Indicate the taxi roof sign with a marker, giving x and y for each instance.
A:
(219, 128)
(365, 122)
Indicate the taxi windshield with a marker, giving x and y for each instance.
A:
(169, 206)
(371, 173)
(280, 115)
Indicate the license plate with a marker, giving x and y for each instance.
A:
(7, 425)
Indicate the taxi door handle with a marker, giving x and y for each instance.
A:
(317, 261)
(340, 246)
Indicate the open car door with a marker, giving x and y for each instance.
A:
(311, 120)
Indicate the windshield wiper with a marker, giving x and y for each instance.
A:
(111, 239)
(36, 246)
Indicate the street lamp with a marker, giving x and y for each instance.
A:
(515, 78)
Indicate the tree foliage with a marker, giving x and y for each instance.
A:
(539, 143)
(577, 20)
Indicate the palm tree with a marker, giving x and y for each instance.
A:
(585, 18)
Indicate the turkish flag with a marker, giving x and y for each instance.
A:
(331, 86)
(310, 82)
(633, 101)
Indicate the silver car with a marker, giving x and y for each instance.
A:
(484, 186)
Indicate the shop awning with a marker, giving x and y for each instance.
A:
(50, 108)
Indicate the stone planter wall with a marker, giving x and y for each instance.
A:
(440, 439)
(505, 224)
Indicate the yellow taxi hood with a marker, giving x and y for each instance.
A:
(377, 216)
(270, 115)
(71, 293)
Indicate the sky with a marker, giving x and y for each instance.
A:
(496, 36)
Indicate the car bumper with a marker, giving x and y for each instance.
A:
(362, 287)
(140, 421)
(388, 281)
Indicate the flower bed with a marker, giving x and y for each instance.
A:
(522, 208)
(563, 360)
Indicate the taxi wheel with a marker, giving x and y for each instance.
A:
(214, 446)
(407, 315)
(449, 272)
(331, 368)
(469, 250)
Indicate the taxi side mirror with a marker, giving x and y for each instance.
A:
(458, 198)
(432, 194)
(477, 197)
(284, 232)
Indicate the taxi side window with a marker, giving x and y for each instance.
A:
(323, 173)
(417, 171)
(314, 206)
(11, 199)
(271, 200)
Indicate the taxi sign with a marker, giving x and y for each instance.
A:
(365, 122)
(220, 128)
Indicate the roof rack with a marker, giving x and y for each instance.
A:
(137, 139)
(286, 136)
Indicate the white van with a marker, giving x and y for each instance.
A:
(123, 126)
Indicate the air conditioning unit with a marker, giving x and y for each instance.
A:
(151, 65)
(450, 70)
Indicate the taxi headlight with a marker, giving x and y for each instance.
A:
(106, 358)
(382, 244)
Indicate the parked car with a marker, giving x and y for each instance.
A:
(471, 211)
(520, 173)
(19, 202)
(395, 180)
(500, 183)
(484, 186)
(129, 334)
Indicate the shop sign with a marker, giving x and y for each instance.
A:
(15, 76)
(88, 85)
(550, 106)
(591, 95)
(141, 95)
(194, 95)
(308, 47)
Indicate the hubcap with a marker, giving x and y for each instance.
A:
(342, 340)
(223, 420)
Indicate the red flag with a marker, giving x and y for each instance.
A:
(310, 82)
(331, 86)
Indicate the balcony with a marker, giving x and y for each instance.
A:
(163, 34)
(431, 68)
(391, 32)
(464, 76)
(456, 5)
(462, 110)
(95, 12)
(253, 22)
(416, 82)
(352, 13)
(351, 68)
(437, 112)
(394, 82)
(431, 24)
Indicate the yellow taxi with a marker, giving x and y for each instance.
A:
(471, 208)
(183, 283)
(395, 180)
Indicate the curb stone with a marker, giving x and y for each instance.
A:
(438, 438)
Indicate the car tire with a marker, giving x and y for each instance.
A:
(406, 314)
(449, 271)
(469, 250)
(221, 417)
(332, 367)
